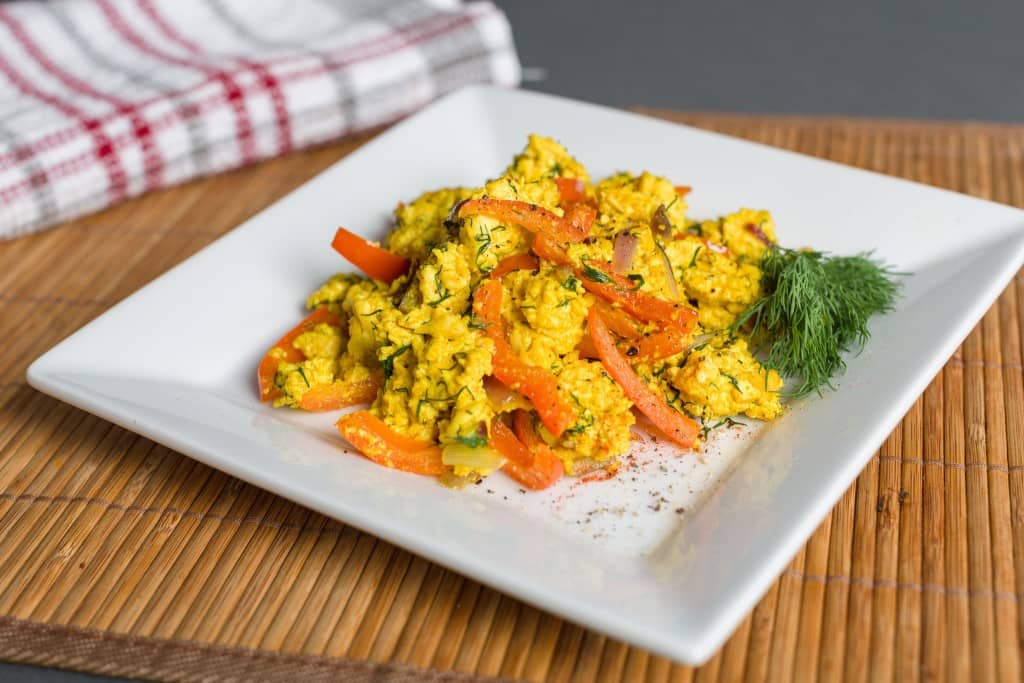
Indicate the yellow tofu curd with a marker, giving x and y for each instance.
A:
(468, 353)
(717, 381)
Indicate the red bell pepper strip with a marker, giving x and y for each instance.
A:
(514, 262)
(663, 344)
(581, 217)
(528, 216)
(283, 351)
(571, 190)
(678, 427)
(639, 346)
(338, 395)
(537, 384)
(385, 446)
(620, 322)
(534, 468)
(550, 250)
(545, 462)
(616, 288)
(375, 261)
(682, 190)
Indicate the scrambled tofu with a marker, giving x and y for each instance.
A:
(546, 312)
(416, 352)
(716, 382)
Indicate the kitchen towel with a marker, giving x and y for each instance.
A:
(102, 100)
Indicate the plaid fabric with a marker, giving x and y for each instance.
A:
(101, 100)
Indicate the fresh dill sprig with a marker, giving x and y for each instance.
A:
(815, 308)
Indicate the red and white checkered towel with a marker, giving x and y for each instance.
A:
(101, 100)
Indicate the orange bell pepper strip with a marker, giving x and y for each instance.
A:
(533, 468)
(375, 261)
(638, 346)
(283, 351)
(616, 288)
(386, 447)
(528, 216)
(338, 395)
(571, 190)
(537, 384)
(682, 190)
(676, 426)
(514, 262)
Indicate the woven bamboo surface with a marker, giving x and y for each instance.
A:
(118, 555)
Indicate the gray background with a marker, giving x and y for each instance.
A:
(939, 59)
(907, 58)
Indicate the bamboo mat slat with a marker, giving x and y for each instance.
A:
(120, 556)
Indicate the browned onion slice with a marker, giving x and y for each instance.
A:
(625, 248)
(660, 224)
(757, 232)
(669, 274)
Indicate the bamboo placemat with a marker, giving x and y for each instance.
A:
(120, 556)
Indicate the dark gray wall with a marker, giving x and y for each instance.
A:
(909, 58)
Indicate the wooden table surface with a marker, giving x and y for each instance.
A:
(120, 556)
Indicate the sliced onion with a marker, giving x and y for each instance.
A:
(453, 215)
(481, 458)
(625, 247)
(502, 398)
(669, 273)
(757, 232)
(716, 247)
(698, 340)
(660, 223)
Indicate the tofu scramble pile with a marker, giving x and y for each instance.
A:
(517, 325)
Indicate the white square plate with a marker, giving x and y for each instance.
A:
(668, 555)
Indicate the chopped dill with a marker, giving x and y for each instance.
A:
(476, 323)
(638, 279)
(442, 292)
(439, 399)
(472, 440)
(816, 307)
(693, 261)
(483, 236)
(302, 373)
(388, 363)
(706, 429)
(586, 420)
(732, 380)
(595, 275)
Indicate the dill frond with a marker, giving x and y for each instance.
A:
(815, 308)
